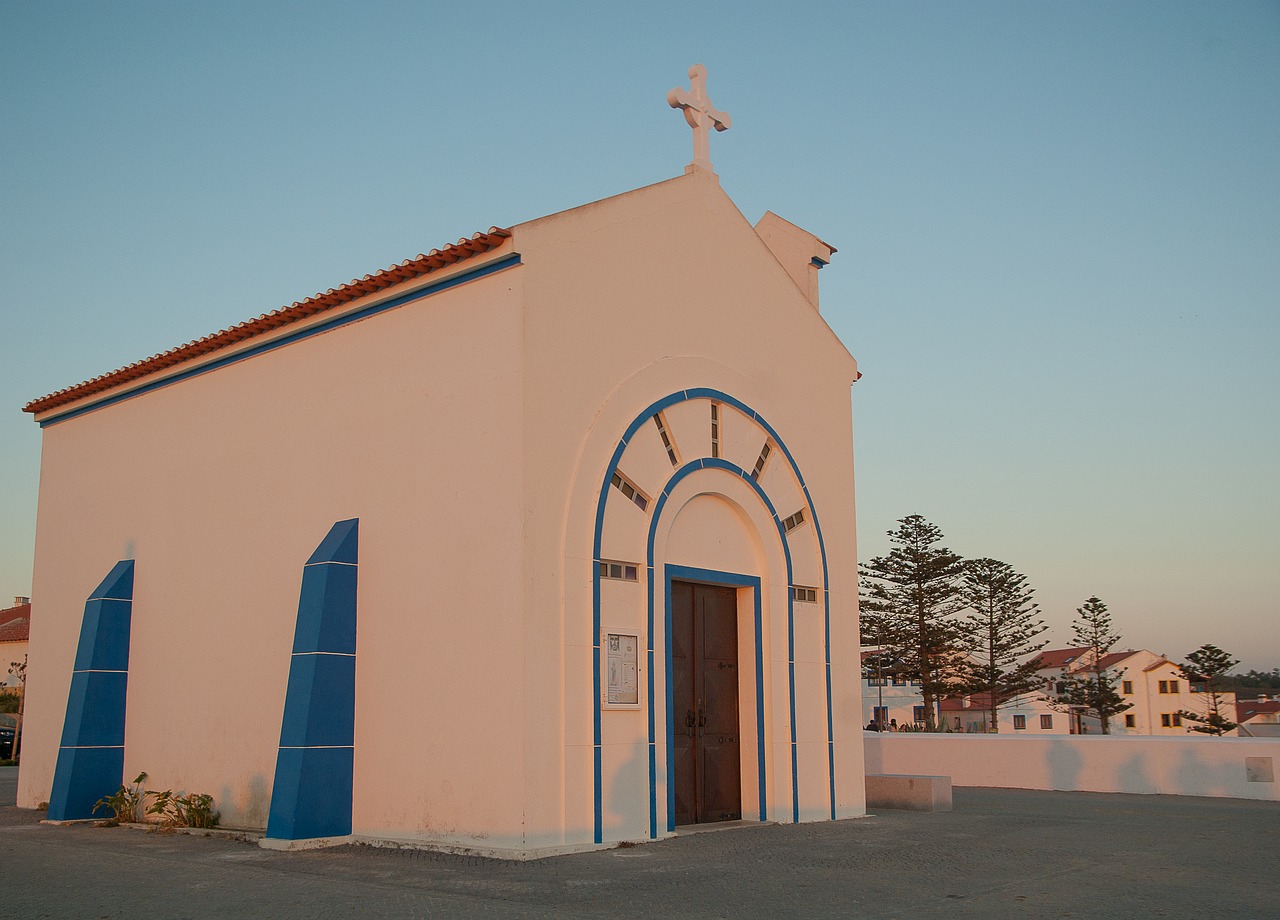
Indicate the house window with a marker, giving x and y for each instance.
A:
(1126, 687)
(1046, 721)
(622, 571)
(1019, 722)
(794, 521)
(1173, 688)
(1168, 686)
(1130, 721)
(1171, 719)
(1177, 720)
(1061, 687)
(880, 714)
(715, 429)
(1197, 687)
(877, 681)
(800, 593)
(918, 713)
(899, 680)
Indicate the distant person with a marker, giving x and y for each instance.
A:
(873, 726)
(893, 725)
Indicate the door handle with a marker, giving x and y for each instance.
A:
(702, 720)
(689, 722)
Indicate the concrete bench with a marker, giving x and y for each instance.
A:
(916, 793)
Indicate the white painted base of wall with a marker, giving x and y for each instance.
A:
(1205, 766)
(512, 853)
(311, 843)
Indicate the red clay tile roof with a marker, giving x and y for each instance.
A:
(1117, 657)
(410, 268)
(15, 624)
(1060, 657)
(1247, 709)
(978, 701)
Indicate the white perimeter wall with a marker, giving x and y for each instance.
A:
(1084, 763)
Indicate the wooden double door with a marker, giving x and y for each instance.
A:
(704, 658)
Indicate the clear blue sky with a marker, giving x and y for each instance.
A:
(1058, 224)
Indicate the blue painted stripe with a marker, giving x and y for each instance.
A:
(444, 284)
(661, 404)
(313, 791)
(90, 763)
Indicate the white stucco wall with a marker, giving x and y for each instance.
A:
(222, 485)
(1086, 763)
(470, 433)
(630, 300)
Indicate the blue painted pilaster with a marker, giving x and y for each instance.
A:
(311, 797)
(91, 756)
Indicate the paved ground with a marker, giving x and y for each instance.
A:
(1001, 853)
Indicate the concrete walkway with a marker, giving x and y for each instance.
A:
(1001, 853)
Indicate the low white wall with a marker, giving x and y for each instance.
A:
(1086, 763)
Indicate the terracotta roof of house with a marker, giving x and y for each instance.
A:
(1247, 709)
(965, 703)
(15, 623)
(1116, 657)
(1059, 657)
(334, 297)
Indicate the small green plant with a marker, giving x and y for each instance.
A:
(192, 810)
(123, 804)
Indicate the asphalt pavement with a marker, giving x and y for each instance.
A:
(1000, 854)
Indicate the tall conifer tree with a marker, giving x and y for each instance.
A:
(909, 600)
(1208, 666)
(1093, 687)
(999, 633)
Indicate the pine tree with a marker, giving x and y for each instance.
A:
(1093, 689)
(1208, 666)
(999, 634)
(909, 599)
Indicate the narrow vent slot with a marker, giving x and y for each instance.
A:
(629, 489)
(668, 443)
(762, 460)
(619, 571)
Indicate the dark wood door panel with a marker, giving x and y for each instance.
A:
(707, 748)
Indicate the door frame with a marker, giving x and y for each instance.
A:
(720, 579)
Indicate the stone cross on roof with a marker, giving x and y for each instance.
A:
(699, 114)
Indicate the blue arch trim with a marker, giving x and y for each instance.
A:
(678, 397)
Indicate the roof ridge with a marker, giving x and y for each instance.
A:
(423, 264)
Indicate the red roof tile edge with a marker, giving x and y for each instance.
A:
(407, 270)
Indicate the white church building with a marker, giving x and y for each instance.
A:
(539, 542)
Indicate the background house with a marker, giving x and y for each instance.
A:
(15, 634)
(1258, 717)
(1152, 684)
